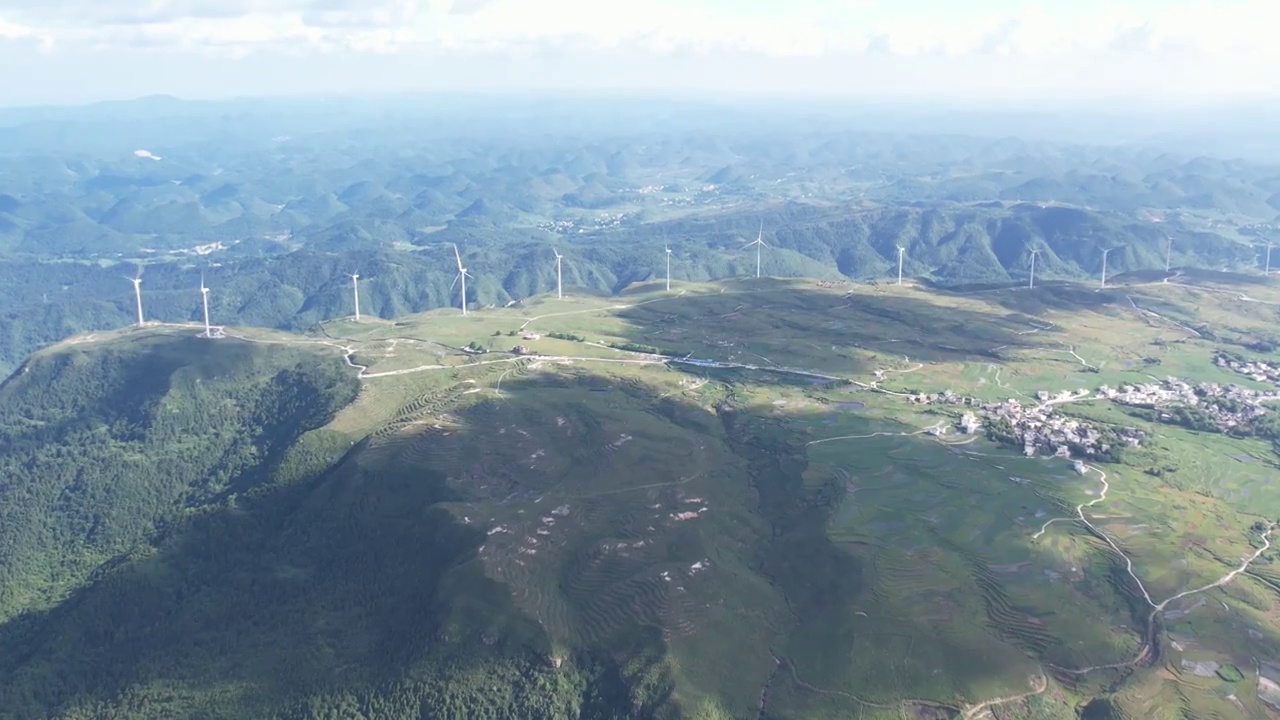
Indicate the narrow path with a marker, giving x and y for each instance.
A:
(1239, 295)
(1083, 362)
(1158, 316)
(841, 693)
(904, 371)
(600, 309)
(875, 434)
(1039, 684)
(1156, 608)
(649, 486)
(1106, 538)
(764, 691)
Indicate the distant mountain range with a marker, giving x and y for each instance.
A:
(355, 180)
(278, 203)
(45, 301)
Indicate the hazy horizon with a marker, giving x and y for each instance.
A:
(1141, 53)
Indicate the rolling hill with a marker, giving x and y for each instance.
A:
(726, 501)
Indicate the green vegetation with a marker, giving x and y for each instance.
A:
(1230, 673)
(744, 498)
(277, 226)
(613, 540)
(108, 447)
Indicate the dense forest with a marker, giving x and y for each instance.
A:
(170, 504)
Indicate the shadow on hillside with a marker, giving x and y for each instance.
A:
(358, 585)
(1051, 296)
(1222, 277)
(783, 323)
(339, 585)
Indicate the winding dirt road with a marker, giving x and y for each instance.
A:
(1156, 607)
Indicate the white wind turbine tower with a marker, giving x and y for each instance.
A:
(1168, 252)
(137, 293)
(204, 299)
(355, 293)
(1105, 253)
(559, 285)
(901, 251)
(1267, 269)
(759, 243)
(462, 275)
(668, 249)
(1031, 284)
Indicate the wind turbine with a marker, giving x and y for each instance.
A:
(1168, 252)
(204, 299)
(1031, 284)
(901, 251)
(1105, 253)
(355, 293)
(1267, 270)
(559, 286)
(759, 243)
(462, 275)
(137, 293)
(668, 267)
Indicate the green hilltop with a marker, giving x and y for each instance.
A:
(726, 501)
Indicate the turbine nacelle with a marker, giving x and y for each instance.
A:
(462, 272)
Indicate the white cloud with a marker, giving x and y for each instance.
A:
(806, 28)
(1172, 45)
(14, 32)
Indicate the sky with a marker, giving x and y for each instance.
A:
(1155, 51)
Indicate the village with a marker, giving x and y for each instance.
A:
(1038, 428)
(1259, 371)
(1228, 406)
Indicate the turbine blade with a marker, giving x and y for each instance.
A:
(457, 256)
(455, 281)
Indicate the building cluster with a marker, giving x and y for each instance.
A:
(1228, 406)
(610, 220)
(1061, 396)
(607, 220)
(1259, 371)
(946, 397)
(970, 423)
(1040, 430)
(558, 226)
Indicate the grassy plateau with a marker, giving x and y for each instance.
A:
(726, 497)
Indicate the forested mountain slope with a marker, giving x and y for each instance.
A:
(107, 446)
(181, 537)
(41, 302)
